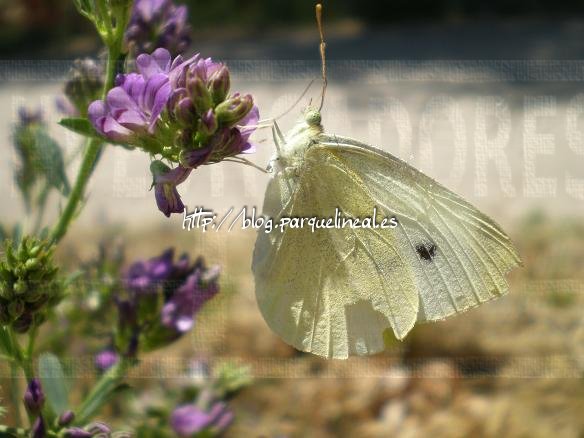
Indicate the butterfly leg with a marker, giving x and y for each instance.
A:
(279, 141)
(278, 137)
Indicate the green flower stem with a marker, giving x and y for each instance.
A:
(102, 390)
(15, 393)
(24, 361)
(90, 156)
(31, 339)
(92, 152)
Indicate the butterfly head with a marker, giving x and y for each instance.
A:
(312, 116)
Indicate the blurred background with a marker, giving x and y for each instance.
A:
(518, 29)
(483, 96)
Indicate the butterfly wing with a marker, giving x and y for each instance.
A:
(459, 255)
(334, 291)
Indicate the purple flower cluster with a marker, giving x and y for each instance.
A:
(161, 300)
(187, 420)
(27, 116)
(158, 23)
(180, 110)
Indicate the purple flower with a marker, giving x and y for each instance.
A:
(131, 109)
(143, 277)
(180, 287)
(106, 359)
(165, 182)
(180, 310)
(34, 398)
(187, 420)
(158, 23)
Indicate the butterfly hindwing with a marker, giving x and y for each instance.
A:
(333, 291)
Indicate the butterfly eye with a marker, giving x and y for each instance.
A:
(312, 117)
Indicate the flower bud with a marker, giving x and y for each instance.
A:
(29, 285)
(19, 286)
(208, 123)
(24, 323)
(226, 143)
(77, 432)
(196, 157)
(98, 428)
(84, 84)
(34, 399)
(184, 111)
(66, 418)
(184, 138)
(15, 309)
(38, 428)
(31, 264)
(219, 84)
(233, 110)
(199, 94)
(5, 318)
(106, 359)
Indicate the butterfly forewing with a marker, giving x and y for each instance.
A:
(459, 255)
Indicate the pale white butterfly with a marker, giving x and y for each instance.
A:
(333, 292)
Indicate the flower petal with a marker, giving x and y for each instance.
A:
(168, 199)
(131, 119)
(160, 99)
(174, 176)
(116, 132)
(187, 420)
(162, 57)
(150, 65)
(96, 114)
(118, 98)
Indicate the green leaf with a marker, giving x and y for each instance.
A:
(54, 382)
(80, 125)
(103, 392)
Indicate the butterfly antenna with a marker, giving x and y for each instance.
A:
(322, 48)
(296, 102)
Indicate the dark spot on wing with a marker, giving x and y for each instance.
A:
(426, 251)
